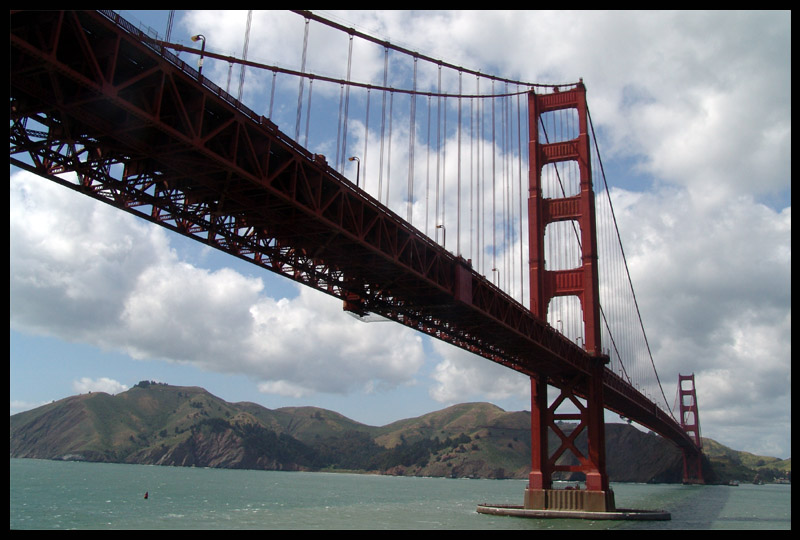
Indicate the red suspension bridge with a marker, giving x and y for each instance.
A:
(508, 247)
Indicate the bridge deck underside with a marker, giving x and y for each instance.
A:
(141, 133)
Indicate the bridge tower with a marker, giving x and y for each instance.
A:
(546, 284)
(690, 422)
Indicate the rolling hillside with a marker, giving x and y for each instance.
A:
(161, 424)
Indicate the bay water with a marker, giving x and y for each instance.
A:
(79, 495)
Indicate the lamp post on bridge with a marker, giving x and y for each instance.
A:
(358, 167)
(196, 38)
(444, 235)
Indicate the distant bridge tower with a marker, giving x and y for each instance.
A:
(546, 284)
(690, 422)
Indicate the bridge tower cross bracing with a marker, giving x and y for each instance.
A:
(547, 284)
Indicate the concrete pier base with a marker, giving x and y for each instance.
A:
(618, 514)
(571, 504)
(569, 499)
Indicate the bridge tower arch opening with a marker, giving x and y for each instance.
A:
(561, 202)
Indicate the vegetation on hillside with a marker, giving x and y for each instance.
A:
(156, 423)
(735, 466)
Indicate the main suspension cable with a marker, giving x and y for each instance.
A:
(384, 87)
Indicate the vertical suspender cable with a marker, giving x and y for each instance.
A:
(383, 119)
(272, 94)
(494, 215)
(366, 139)
(337, 159)
(428, 169)
(507, 253)
(346, 105)
(479, 192)
(521, 196)
(300, 90)
(509, 196)
(411, 133)
(308, 108)
(170, 18)
(614, 218)
(438, 148)
(512, 272)
(458, 191)
(506, 206)
(244, 52)
(389, 155)
(471, 179)
(168, 35)
(499, 150)
(444, 170)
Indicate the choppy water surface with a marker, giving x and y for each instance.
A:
(75, 495)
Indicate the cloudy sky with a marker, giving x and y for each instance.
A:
(693, 113)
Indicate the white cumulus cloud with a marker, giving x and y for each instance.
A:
(87, 272)
(103, 384)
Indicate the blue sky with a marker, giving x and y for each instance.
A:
(693, 115)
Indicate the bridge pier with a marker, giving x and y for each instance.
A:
(596, 502)
(540, 495)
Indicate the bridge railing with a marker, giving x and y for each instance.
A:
(155, 45)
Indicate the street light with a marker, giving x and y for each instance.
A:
(444, 235)
(197, 38)
(358, 167)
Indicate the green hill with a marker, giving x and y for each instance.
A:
(733, 465)
(161, 424)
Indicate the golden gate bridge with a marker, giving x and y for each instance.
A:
(471, 207)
